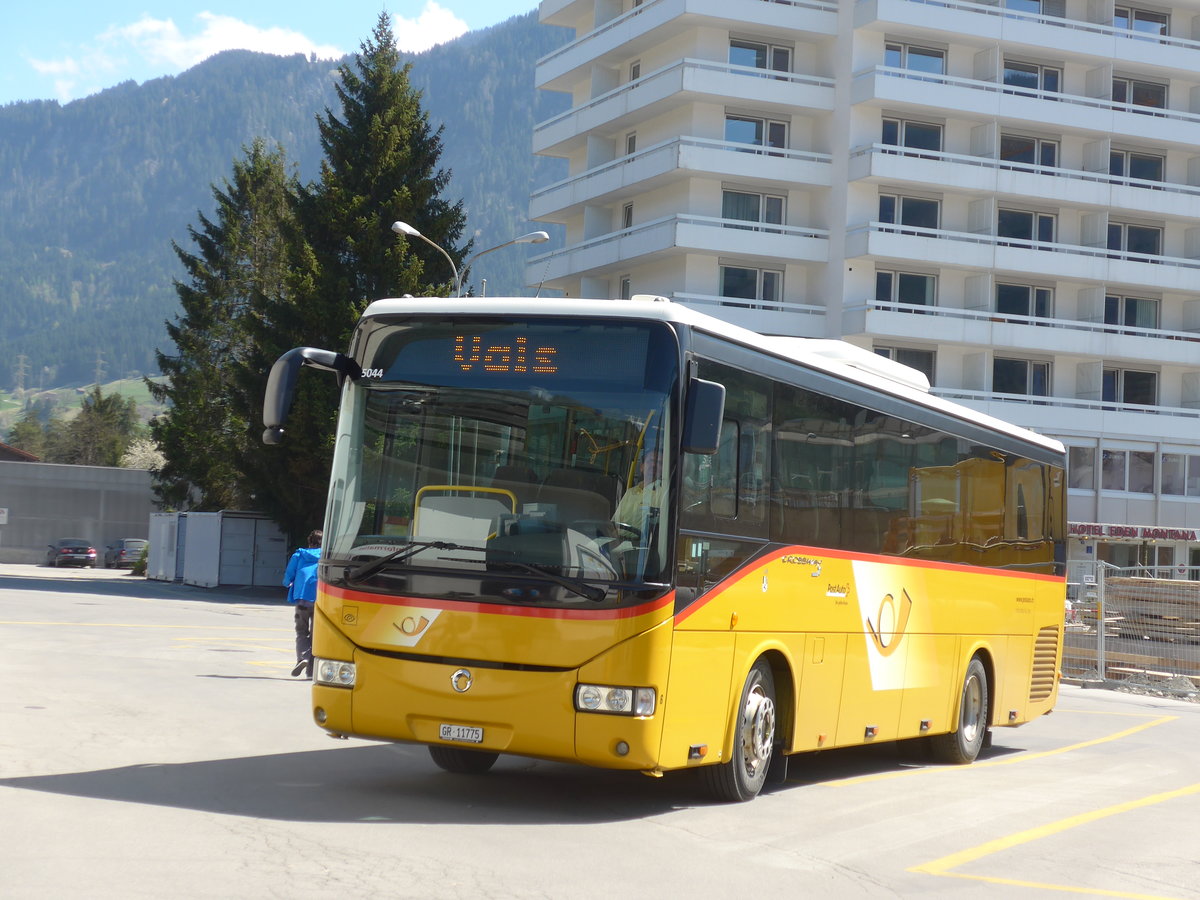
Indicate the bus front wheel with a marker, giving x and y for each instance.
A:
(460, 761)
(963, 745)
(743, 776)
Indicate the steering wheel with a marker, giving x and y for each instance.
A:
(627, 531)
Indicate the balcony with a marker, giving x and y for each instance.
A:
(791, 319)
(1023, 334)
(1055, 415)
(950, 20)
(656, 22)
(942, 94)
(1074, 262)
(685, 157)
(685, 80)
(682, 234)
(953, 171)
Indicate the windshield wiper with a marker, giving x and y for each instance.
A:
(366, 570)
(575, 586)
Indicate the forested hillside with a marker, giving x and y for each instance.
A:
(92, 193)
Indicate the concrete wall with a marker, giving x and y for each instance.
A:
(46, 502)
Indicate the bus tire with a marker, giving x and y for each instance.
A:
(461, 761)
(964, 743)
(743, 776)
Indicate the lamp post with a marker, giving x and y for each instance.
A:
(534, 237)
(407, 230)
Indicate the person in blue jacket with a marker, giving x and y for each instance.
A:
(301, 581)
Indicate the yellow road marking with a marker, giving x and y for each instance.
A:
(1161, 720)
(142, 625)
(946, 863)
(1021, 757)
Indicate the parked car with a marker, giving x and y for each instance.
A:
(71, 552)
(123, 554)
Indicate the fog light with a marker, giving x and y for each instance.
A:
(335, 672)
(320, 715)
(622, 748)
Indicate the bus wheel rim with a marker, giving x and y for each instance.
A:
(972, 714)
(758, 733)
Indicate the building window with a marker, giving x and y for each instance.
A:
(905, 287)
(915, 211)
(1128, 164)
(1081, 468)
(630, 143)
(920, 59)
(1017, 148)
(745, 283)
(1130, 386)
(755, 55)
(758, 132)
(635, 70)
(921, 360)
(1180, 474)
(626, 287)
(1025, 226)
(1032, 77)
(1139, 93)
(1143, 21)
(746, 207)
(1020, 376)
(1024, 300)
(627, 216)
(1127, 470)
(1128, 238)
(917, 135)
(1132, 312)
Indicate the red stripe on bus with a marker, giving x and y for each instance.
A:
(498, 609)
(821, 553)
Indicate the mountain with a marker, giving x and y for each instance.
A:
(93, 192)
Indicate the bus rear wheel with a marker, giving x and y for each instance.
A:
(963, 745)
(460, 761)
(743, 776)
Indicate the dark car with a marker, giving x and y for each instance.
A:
(71, 552)
(123, 554)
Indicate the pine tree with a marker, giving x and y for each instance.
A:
(380, 165)
(328, 250)
(215, 379)
(103, 430)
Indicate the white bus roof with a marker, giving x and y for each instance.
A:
(838, 358)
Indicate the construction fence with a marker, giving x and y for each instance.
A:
(1131, 627)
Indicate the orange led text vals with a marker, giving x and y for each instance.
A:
(516, 357)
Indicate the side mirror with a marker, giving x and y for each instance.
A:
(704, 408)
(281, 384)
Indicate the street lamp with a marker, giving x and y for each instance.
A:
(534, 237)
(406, 229)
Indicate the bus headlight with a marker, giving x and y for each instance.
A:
(621, 701)
(334, 672)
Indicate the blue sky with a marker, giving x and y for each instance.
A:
(67, 50)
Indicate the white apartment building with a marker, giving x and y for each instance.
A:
(1003, 194)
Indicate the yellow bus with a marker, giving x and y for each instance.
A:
(625, 534)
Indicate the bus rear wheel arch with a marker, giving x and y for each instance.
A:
(461, 761)
(754, 738)
(962, 745)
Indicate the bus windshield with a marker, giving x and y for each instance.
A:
(506, 461)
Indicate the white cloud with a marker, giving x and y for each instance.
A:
(150, 47)
(161, 41)
(435, 25)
